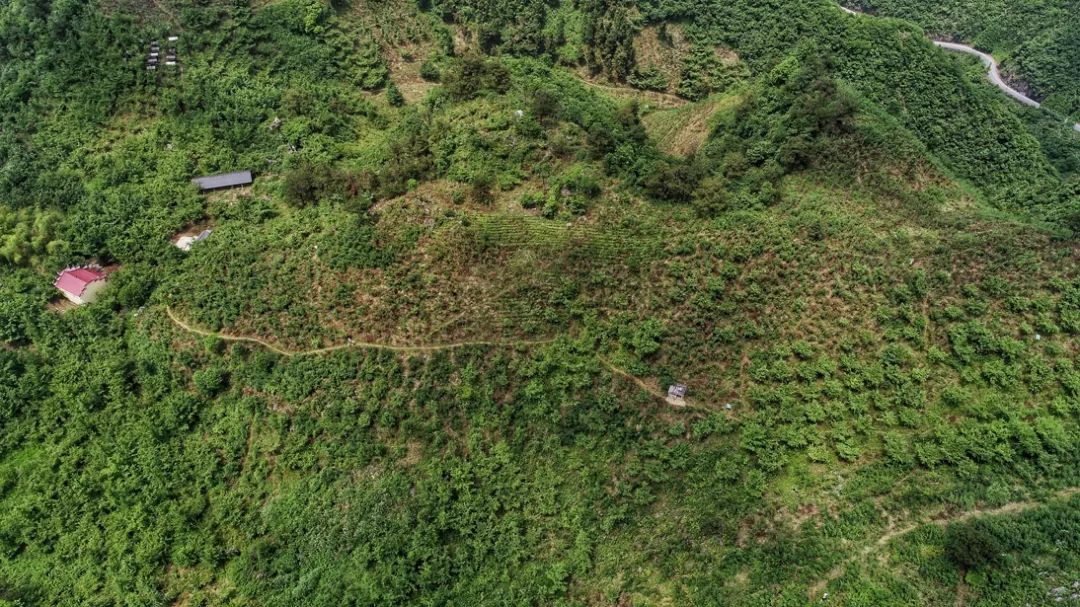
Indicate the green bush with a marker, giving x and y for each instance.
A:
(210, 380)
(650, 78)
(429, 70)
(472, 76)
(394, 96)
(972, 545)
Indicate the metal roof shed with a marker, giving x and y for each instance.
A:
(676, 395)
(80, 284)
(225, 180)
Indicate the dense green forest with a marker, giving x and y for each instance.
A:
(1039, 41)
(423, 359)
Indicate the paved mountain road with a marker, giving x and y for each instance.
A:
(993, 70)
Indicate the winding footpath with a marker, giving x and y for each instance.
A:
(895, 530)
(993, 70)
(664, 100)
(358, 345)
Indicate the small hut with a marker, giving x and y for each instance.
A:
(676, 394)
(80, 284)
(223, 181)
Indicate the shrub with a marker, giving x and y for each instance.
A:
(210, 380)
(133, 285)
(302, 184)
(671, 181)
(394, 96)
(711, 197)
(531, 200)
(650, 78)
(544, 105)
(972, 545)
(430, 71)
(15, 313)
(579, 179)
(480, 190)
(470, 77)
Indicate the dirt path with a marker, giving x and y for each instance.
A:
(359, 345)
(892, 531)
(664, 99)
(182, 324)
(961, 592)
(165, 9)
(645, 387)
(637, 381)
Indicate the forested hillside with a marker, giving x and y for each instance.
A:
(1039, 41)
(424, 358)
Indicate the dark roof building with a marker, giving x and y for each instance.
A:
(225, 180)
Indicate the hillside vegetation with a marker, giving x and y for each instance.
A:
(1039, 41)
(423, 359)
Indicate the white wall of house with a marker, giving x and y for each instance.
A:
(92, 290)
(90, 293)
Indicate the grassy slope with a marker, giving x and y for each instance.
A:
(875, 331)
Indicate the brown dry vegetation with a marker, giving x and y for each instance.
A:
(403, 35)
(683, 130)
(496, 274)
(666, 55)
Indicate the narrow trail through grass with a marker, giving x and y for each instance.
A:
(358, 345)
(663, 99)
(645, 387)
(893, 531)
(188, 327)
(626, 375)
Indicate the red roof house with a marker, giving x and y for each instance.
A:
(80, 285)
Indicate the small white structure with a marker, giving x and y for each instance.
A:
(184, 243)
(676, 395)
(81, 284)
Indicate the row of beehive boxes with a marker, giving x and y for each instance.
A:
(153, 55)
